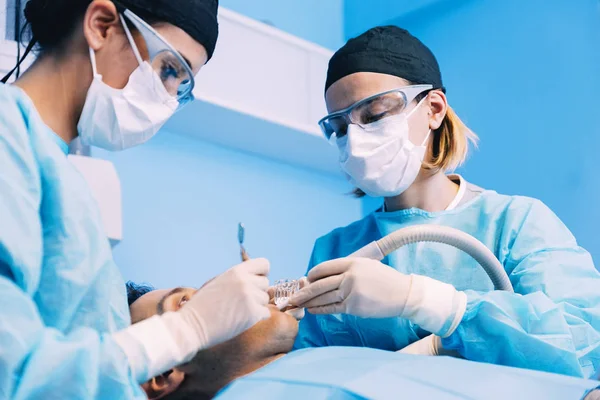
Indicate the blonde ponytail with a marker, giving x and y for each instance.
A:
(450, 145)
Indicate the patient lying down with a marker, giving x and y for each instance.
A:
(214, 368)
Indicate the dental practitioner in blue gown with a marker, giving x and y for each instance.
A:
(397, 138)
(110, 73)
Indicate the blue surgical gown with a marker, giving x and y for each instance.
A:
(351, 373)
(62, 294)
(551, 322)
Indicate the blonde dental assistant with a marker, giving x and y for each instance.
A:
(110, 73)
(397, 137)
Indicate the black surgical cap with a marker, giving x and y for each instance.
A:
(198, 18)
(388, 50)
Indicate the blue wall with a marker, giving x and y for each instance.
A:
(318, 21)
(183, 199)
(360, 15)
(525, 75)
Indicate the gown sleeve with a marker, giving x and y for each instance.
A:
(38, 361)
(552, 321)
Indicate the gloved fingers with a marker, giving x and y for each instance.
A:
(271, 293)
(261, 297)
(329, 268)
(303, 282)
(316, 289)
(255, 266)
(337, 308)
(297, 313)
(258, 281)
(333, 297)
(262, 313)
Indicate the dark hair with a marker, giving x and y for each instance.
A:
(188, 393)
(135, 291)
(51, 22)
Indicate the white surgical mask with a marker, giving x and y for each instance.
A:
(117, 119)
(380, 159)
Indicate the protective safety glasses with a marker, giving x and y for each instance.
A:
(371, 109)
(174, 71)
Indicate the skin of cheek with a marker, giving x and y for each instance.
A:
(116, 61)
(268, 338)
(418, 124)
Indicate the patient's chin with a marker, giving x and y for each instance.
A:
(220, 374)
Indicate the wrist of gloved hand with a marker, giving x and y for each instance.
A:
(435, 306)
(160, 343)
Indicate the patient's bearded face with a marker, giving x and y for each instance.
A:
(214, 368)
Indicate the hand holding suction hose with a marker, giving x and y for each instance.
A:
(369, 289)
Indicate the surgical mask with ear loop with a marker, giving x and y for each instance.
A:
(379, 158)
(116, 119)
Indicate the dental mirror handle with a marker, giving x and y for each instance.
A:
(243, 254)
(241, 236)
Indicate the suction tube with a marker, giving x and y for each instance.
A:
(379, 249)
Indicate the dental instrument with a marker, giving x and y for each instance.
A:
(241, 236)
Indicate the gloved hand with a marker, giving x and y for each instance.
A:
(370, 289)
(223, 308)
(229, 304)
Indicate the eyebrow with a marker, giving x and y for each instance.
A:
(160, 307)
(185, 59)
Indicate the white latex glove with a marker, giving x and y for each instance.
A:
(229, 304)
(370, 289)
(223, 308)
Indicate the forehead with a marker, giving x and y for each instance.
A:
(184, 44)
(360, 85)
(145, 306)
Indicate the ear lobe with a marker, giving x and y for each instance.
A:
(99, 18)
(159, 383)
(437, 109)
(164, 384)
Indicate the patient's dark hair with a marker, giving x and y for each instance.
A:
(135, 291)
(183, 393)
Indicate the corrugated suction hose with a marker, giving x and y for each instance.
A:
(379, 249)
